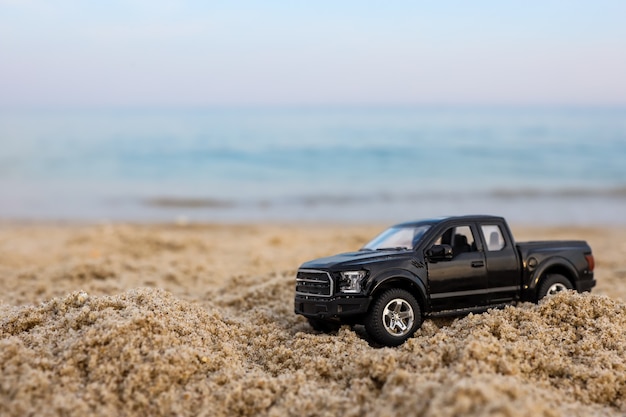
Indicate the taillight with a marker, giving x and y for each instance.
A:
(591, 263)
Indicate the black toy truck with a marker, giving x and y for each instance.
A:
(436, 267)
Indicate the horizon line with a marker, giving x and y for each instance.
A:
(314, 106)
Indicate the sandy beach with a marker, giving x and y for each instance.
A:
(134, 320)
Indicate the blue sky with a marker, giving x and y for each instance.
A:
(67, 53)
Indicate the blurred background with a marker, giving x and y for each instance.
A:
(312, 111)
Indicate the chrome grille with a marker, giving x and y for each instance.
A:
(314, 283)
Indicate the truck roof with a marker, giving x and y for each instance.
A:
(436, 220)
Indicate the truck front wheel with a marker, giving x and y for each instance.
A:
(394, 316)
(553, 284)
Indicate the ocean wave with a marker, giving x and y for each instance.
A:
(347, 199)
(617, 192)
(187, 202)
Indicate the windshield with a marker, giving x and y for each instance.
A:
(398, 238)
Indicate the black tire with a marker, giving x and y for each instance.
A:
(394, 316)
(324, 326)
(553, 284)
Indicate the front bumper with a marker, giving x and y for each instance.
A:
(334, 307)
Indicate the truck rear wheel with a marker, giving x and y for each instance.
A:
(553, 284)
(394, 317)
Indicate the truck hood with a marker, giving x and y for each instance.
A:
(350, 259)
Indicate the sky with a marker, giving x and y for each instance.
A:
(137, 53)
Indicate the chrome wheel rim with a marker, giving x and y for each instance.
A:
(398, 317)
(556, 288)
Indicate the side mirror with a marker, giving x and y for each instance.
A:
(439, 253)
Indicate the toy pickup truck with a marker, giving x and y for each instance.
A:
(435, 267)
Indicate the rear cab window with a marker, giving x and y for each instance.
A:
(494, 239)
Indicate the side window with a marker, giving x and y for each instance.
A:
(493, 237)
(463, 240)
(460, 238)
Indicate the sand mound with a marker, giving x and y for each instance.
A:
(212, 331)
(146, 352)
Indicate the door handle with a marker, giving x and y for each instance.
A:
(477, 264)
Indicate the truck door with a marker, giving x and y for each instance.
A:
(503, 265)
(459, 282)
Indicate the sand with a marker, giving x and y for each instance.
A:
(138, 320)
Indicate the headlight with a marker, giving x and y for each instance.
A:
(350, 281)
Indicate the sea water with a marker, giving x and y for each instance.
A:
(547, 165)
